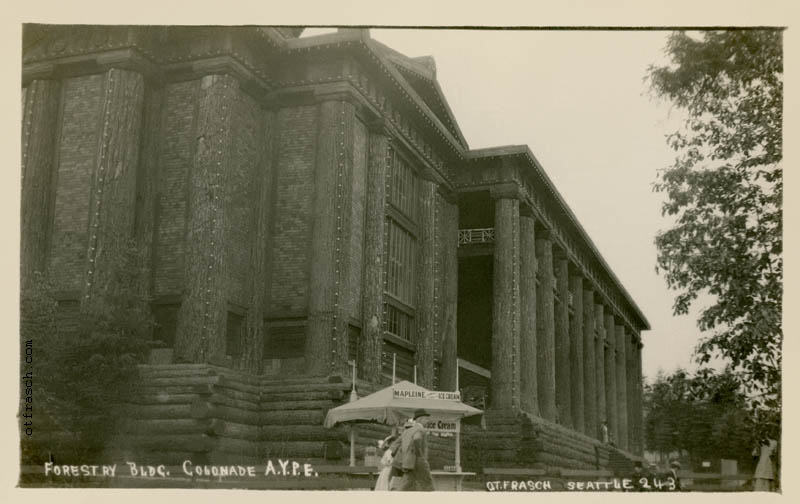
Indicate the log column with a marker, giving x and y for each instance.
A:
(576, 353)
(449, 238)
(590, 420)
(562, 343)
(425, 353)
(527, 290)
(600, 377)
(112, 210)
(505, 309)
(638, 412)
(40, 115)
(200, 333)
(326, 338)
(545, 328)
(622, 389)
(611, 376)
(252, 338)
(630, 374)
(374, 223)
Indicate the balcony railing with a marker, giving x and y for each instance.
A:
(475, 236)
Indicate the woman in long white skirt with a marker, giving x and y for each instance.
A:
(385, 476)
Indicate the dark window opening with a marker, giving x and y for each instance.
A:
(233, 334)
(166, 322)
(287, 342)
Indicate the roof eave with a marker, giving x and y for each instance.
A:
(509, 150)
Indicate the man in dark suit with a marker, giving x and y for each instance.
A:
(412, 458)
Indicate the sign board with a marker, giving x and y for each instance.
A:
(439, 425)
(427, 394)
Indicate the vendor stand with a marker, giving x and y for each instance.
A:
(397, 403)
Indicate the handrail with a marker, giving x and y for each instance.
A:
(475, 236)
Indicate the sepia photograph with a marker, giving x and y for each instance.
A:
(350, 257)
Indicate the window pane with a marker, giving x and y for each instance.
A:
(401, 250)
(402, 190)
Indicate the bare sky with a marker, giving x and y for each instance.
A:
(578, 99)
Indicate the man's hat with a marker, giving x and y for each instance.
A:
(420, 413)
(675, 464)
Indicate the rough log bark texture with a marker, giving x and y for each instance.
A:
(622, 389)
(611, 377)
(326, 340)
(529, 395)
(639, 411)
(251, 342)
(113, 198)
(40, 115)
(147, 184)
(600, 377)
(425, 352)
(563, 400)
(545, 330)
(200, 333)
(505, 313)
(450, 271)
(576, 353)
(374, 224)
(630, 353)
(590, 421)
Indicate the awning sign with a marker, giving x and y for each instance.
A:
(439, 425)
(427, 394)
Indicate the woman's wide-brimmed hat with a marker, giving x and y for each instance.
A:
(420, 413)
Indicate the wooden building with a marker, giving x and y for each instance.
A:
(305, 202)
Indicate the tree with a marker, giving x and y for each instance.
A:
(86, 361)
(724, 192)
(705, 414)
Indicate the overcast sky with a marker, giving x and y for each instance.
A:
(578, 99)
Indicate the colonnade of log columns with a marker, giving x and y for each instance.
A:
(580, 371)
(505, 309)
(574, 371)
